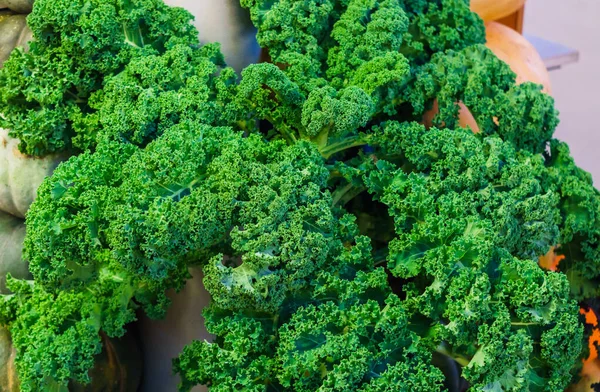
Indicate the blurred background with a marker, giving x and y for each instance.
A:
(575, 87)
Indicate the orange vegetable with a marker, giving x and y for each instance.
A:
(590, 373)
(520, 55)
(490, 10)
(551, 260)
(465, 118)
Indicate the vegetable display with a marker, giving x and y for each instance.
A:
(346, 246)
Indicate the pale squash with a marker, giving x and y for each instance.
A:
(490, 10)
(20, 6)
(8, 373)
(520, 55)
(117, 369)
(12, 235)
(21, 175)
(13, 32)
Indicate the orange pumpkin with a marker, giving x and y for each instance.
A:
(590, 373)
(551, 260)
(490, 10)
(520, 55)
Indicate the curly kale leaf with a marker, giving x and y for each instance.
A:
(463, 207)
(520, 114)
(366, 44)
(579, 220)
(156, 92)
(44, 92)
(347, 332)
(56, 335)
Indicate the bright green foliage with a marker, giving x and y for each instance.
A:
(348, 60)
(463, 207)
(124, 223)
(345, 246)
(459, 192)
(44, 93)
(580, 220)
(458, 220)
(318, 32)
(361, 344)
(56, 335)
(349, 333)
(519, 114)
(156, 92)
(189, 195)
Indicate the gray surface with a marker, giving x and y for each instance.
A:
(163, 340)
(554, 54)
(576, 88)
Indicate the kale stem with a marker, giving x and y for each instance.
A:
(130, 37)
(340, 192)
(343, 195)
(458, 358)
(287, 133)
(342, 145)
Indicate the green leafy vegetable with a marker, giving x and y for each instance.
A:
(346, 247)
(44, 98)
